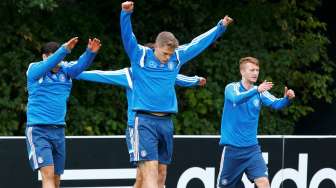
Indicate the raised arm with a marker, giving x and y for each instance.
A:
(277, 103)
(119, 77)
(37, 70)
(186, 81)
(133, 50)
(74, 68)
(200, 43)
(233, 94)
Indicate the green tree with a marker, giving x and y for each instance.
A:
(284, 35)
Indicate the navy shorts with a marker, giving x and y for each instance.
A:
(153, 138)
(239, 160)
(46, 146)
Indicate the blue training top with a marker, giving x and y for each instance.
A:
(48, 92)
(123, 78)
(241, 113)
(153, 81)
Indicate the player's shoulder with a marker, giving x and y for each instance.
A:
(233, 84)
(32, 65)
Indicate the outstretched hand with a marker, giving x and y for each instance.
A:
(202, 81)
(127, 6)
(227, 20)
(94, 45)
(71, 43)
(265, 86)
(289, 93)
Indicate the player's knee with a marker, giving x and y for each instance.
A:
(262, 182)
(47, 172)
(149, 170)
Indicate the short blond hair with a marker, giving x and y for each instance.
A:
(246, 60)
(166, 38)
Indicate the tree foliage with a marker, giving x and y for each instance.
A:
(284, 35)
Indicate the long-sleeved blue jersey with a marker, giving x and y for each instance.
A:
(241, 114)
(154, 81)
(123, 78)
(48, 92)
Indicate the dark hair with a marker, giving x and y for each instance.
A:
(150, 45)
(166, 38)
(50, 47)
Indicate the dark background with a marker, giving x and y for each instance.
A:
(323, 120)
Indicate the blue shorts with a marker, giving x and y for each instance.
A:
(153, 138)
(239, 160)
(129, 133)
(46, 146)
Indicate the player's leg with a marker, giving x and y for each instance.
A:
(257, 171)
(165, 147)
(130, 141)
(57, 180)
(162, 175)
(47, 173)
(262, 182)
(59, 153)
(138, 181)
(146, 150)
(40, 153)
(231, 168)
(149, 171)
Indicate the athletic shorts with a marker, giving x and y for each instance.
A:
(153, 138)
(46, 146)
(239, 160)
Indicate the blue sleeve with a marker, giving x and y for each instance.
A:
(200, 43)
(134, 51)
(74, 68)
(37, 70)
(233, 94)
(118, 77)
(186, 81)
(276, 103)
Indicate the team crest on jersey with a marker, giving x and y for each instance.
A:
(152, 64)
(62, 77)
(256, 102)
(170, 65)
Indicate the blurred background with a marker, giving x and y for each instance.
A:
(295, 42)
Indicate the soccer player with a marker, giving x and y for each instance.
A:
(154, 74)
(242, 105)
(49, 83)
(123, 78)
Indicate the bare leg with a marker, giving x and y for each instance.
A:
(48, 180)
(149, 172)
(162, 175)
(262, 182)
(138, 181)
